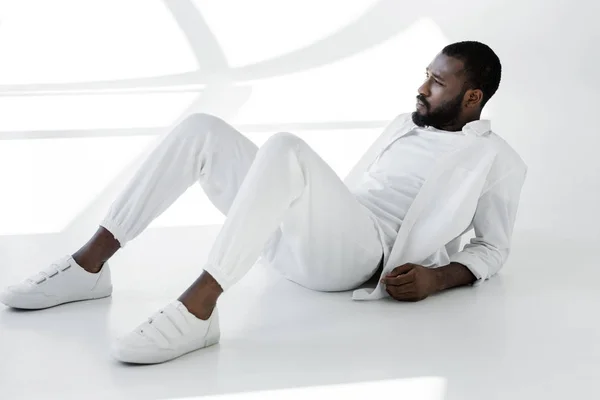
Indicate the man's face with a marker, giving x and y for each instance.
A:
(440, 101)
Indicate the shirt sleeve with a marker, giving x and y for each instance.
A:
(493, 224)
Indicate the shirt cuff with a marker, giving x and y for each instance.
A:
(474, 264)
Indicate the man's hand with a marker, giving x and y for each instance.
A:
(410, 282)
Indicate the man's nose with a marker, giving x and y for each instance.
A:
(424, 89)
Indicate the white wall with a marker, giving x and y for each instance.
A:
(546, 104)
(313, 67)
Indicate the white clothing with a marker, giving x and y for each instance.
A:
(283, 199)
(391, 184)
(478, 187)
(286, 204)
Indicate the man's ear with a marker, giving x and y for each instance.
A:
(473, 98)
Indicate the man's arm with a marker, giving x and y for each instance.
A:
(452, 275)
(493, 224)
(413, 282)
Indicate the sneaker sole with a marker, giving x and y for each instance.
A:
(40, 302)
(144, 358)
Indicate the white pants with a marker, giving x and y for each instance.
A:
(282, 202)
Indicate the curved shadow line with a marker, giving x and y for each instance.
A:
(378, 24)
(202, 41)
(321, 51)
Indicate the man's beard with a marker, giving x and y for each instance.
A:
(444, 115)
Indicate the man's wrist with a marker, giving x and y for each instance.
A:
(452, 275)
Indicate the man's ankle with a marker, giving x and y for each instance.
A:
(201, 297)
(202, 312)
(93, 267)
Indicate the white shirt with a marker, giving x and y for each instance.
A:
(475, 188)
(389, 187)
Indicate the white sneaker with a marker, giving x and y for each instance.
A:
(62, 282)
(168, 334)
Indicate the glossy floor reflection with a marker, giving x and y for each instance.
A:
(531, 332)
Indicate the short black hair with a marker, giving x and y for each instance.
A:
(482, 66)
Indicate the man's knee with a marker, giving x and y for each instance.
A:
(196, 124)
(282, 143)
(203, 119)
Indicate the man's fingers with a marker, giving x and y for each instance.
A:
(403, 269)
(401, 290)
(400, 280)
(402, 294)
(404, 290)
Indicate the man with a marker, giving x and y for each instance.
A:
(429, 178)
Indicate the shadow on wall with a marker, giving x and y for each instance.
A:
(226, 89)
(521, 110)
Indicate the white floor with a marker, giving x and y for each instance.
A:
(530, 333)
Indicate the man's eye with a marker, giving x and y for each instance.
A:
(427, 76)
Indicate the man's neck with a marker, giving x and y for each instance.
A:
(458, 125)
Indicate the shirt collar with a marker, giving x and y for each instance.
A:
(479, 127)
